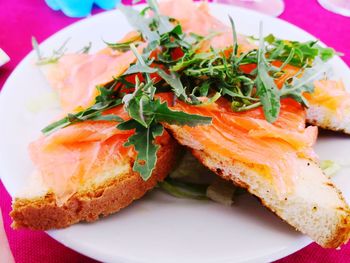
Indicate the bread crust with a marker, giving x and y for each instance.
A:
(329, 120)
(341, 236)
(42, 213)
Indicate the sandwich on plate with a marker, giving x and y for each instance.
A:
(246, 107)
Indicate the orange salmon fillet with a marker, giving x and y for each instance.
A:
(249, 138)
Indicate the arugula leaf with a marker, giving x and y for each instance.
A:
(36, 48)
(204, 88)
(151, 28)
(153, 5)
(326, 53)
(140, 23)
(140, 110)
(173, 79)
(104, 94)
(270, 39)
(144, 110)
(92, 113)
(162, 23)
(85, 49)
(55, 56)
(234, 35)
(190, 59)
(104, 101)
(109, 117)
(265, 85)
(304, 53)
(296, 86)
(143, 142)
(163, 114)
(125, 46)
(56, 126)
(140, 66)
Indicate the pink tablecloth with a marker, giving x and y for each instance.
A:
(19, 20)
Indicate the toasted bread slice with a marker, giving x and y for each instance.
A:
(315, 206)
(325, 118)
(93, 200)
(329, 106)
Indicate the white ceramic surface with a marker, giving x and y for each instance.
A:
(158, 228)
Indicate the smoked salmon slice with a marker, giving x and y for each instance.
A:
(247, 137)
(70, 157)
(75, 76)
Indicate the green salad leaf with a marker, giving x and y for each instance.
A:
(162, 113)
(298, 85)
(92, 113)
(143, 142)
(265, 85)
(184, 190)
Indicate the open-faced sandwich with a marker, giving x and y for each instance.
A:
(239, 104)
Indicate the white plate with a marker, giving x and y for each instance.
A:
(158, 228)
